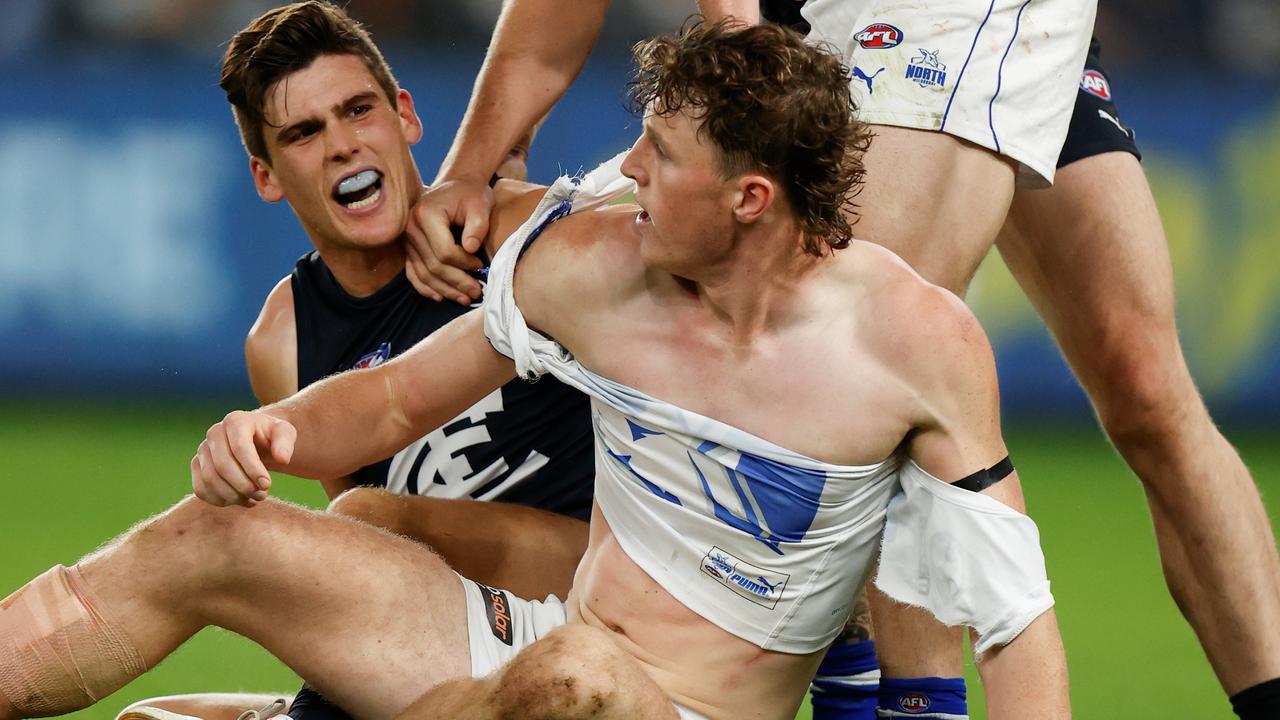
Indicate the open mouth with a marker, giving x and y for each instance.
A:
(359, 191)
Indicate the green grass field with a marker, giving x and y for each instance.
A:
(72, 477)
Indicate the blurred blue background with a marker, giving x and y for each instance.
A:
(134, 253)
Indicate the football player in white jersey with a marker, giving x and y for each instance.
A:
(970, 102)
(718, 303)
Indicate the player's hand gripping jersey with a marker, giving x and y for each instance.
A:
(768, 544)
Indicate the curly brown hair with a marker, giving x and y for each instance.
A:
(283, 41)
(770, 102)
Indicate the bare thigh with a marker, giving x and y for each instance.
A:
(371, 619)
(1091, 256)
(935, 200)
(531, 552)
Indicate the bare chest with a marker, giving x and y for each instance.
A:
(798, 390)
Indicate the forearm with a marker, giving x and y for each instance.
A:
(1028, 677)
(344, 422)
(538, 49)
(355, 418)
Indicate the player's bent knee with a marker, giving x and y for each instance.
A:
(574, 672)
(1144, 401)
(201, 540)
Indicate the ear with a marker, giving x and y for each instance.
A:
(264, 179)
(410, 124)
(754, 195)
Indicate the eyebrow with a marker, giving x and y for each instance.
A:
(285, 133)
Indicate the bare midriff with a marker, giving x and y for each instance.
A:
(698, 664)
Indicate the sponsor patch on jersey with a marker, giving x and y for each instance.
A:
(497, 608)
(760, 586)
(373, 359)
(878, 36)
(913, 702)
(1093, 82)
(926, 70)
(860, 74)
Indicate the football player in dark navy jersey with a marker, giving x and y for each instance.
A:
(348, 305)
(528, 443)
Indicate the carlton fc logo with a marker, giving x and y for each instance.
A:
(878, 36)
(926, 70)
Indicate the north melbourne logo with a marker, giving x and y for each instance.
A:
(927, 70)
(760, 586)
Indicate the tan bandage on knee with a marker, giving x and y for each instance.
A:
(59, 649)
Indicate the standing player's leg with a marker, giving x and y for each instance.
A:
(936, 200)
(1092, 257)
(290, 579)
(965, 103)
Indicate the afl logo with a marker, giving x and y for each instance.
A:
(1094, 83)
(879, 36)
(913, 702)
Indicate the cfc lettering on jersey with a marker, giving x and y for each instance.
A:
(760, 586)
(441, 463)
(497, 608)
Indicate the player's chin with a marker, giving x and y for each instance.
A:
(374, 228)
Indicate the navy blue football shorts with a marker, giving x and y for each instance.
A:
(1096, 127)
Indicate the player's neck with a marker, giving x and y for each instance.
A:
(760, 286)
(364, 271)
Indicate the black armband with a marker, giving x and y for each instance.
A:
(984, 479)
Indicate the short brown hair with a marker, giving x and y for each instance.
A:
(286, 40)
(771, 102)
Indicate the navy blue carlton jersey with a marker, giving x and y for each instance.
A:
(784, 12)
(527, 443)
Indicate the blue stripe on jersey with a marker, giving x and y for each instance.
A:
(956, 88)
(787, 497)
(991, 123)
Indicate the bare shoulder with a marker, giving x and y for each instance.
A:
(271, 348)
(581, 265)
(513, 202)
(925, 331)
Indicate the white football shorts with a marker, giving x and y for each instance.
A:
(999, 73)
(500, 625)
